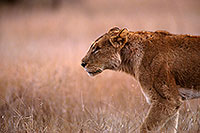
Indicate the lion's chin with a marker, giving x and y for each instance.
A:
(94, 73)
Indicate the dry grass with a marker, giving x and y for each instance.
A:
(44, 89)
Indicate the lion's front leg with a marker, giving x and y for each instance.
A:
(164, 107)
(165, 98)
(159, 114)
(172, 125)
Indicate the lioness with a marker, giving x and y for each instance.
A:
(166, 65)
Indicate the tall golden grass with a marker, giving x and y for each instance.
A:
(42, 85)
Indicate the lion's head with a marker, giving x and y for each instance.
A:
(104, 52)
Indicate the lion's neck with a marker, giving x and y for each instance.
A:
(131, 58)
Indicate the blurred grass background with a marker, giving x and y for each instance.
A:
(42, 85)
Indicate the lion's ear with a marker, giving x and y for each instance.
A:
(114, 31)
(119, 38)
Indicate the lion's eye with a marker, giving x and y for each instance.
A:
(96, 49)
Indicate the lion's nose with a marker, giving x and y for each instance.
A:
(83, 64)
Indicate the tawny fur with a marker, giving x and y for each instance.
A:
(167, 66)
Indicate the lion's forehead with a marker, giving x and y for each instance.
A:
(93, 44)
(96, 41)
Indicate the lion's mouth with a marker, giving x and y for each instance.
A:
(95, 72)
